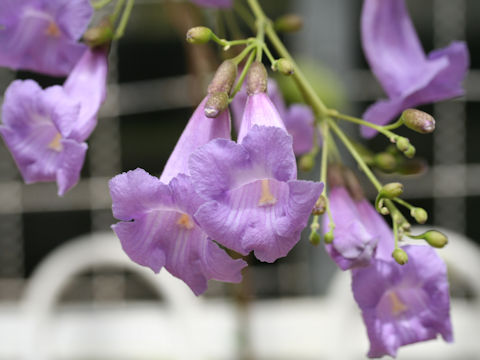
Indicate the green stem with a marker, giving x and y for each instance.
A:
(124, 19)
(239, 83)
(404, 203)
(341, 135)
(117, 11)
(380, 129)
(97, 5)
(268, 53)
(260, 38)
(238, 59)
(395, 125)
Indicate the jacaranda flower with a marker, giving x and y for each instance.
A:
(408, 76)
(45, 130)
(214, 3)
(41, 35)
(255, 202)
(403, 304)
(358, 229)
(298, 118)
(158, 228)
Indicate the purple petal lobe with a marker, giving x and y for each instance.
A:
(396, 57)
(199, 130)
(299, 124)
(403, 304)
(163, 233)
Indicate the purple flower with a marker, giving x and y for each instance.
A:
(41, 35)
(403, 304)
(298, 118)
(45, 130)
(158, 228)
(214, 3)
(358, 229)
(255, 202)
(409, 77)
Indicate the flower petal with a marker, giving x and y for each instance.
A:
(70, 164)
(299, 124)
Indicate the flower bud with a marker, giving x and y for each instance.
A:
(99, 35)
(307, 162)
(314, 238)
(403, 143)
(435, 238)
(385, 161)
(420, 215)
(257, 78)
(400, 256)
(284, 66)
(418, 121)
(410, 152)
(224, 78)
(288, 23)
(329, 237)
(391, 190)
(320, 206)
(199, 35)
(215, 104)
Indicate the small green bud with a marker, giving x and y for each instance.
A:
(307, 162)
(257, 78)
(385, 161)
(314, 238)
(410, 152)
(199, 35)
(391, 190)
(224, 78)
(329, 237)
(320, 206)
(420, 215)
(400, 256)
(384, 211)
(435, 238)
(215, 104)
(99, 35)
(288, 23)
(284, 66)
(403, 143)
(418, 121)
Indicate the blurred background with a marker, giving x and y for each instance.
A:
(84, 300)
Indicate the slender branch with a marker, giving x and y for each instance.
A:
(124, 19)
(239, 83)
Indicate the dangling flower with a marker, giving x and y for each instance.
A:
(255, 202)
(409, 77)
(45, 130)
(158, 228)
(403, 304)
(298, 118)
(42, 35)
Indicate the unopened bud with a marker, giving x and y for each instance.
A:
(385, 161)
(418, 121)
(257, 78)
(314, 238)
(307, 162)
(420, 215)
(199, 35)
(224, 78)
(435, 238)
(99, 35)
(410, 152)
(320, 206)
(284, 66)
(329, 237)
(391, 190)
(288, 23)
(215, 104)
(400, 256)
(402, 144)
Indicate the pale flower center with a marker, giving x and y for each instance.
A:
(53, 30)
(266, 197)
(185, 222)
(397, 305)
(55, 144)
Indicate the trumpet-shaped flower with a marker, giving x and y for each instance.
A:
(41, 35)
(358, 229)
(255, 202)
(158, 228)
(403, 304)
(45, 130)
(408, 76)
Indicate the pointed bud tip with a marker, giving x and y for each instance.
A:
(199, 35)
(400, 256)
(215, 104)
(418, 121)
